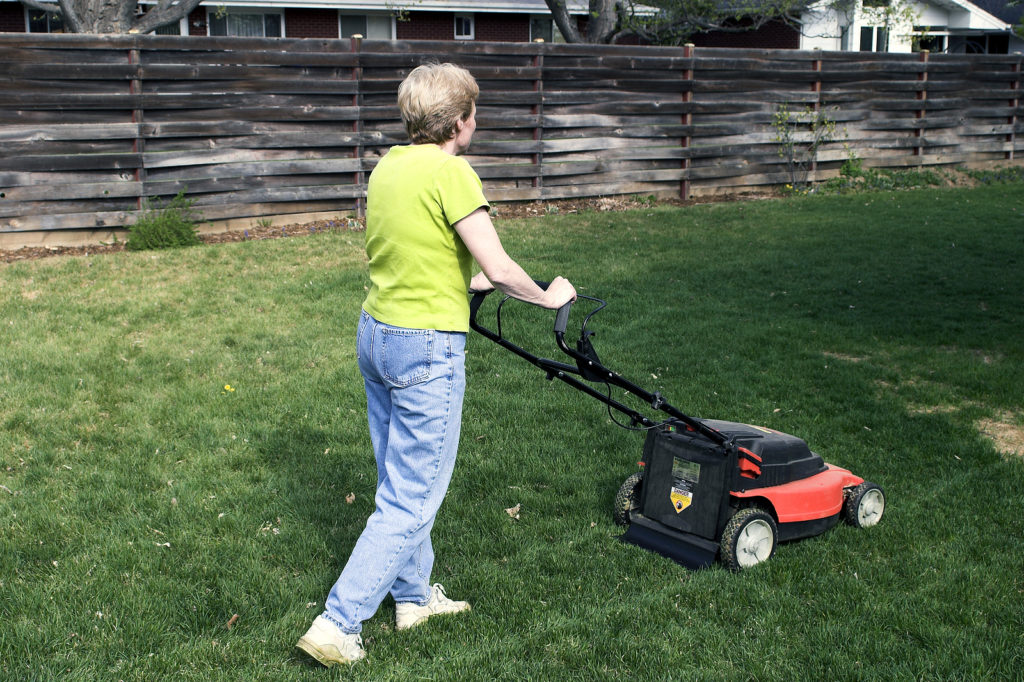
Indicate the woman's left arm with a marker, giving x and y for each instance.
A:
(478, 233)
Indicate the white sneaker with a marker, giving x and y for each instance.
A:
(410, 614)
(325, 642)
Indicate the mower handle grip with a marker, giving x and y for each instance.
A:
(562, 316)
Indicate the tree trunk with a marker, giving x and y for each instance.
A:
(114, 16)
(565, 22)
(602, 20)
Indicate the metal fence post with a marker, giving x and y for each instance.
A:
(357, 126)
(538, 110)
(921, 96)
(138, 115)
(816, 107)
(1011, 137)
(687, 121)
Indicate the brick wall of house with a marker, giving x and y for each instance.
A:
(302, 22)
(427, 26)
(12, 17)
(773, 35)
(503, 28)
(487, 27)
(197, 22)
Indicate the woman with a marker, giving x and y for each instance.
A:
(427, 221)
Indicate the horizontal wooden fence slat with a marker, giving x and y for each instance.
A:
(92, 127)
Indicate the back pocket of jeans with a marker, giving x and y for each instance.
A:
(406, 355)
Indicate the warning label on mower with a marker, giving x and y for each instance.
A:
(684, 480)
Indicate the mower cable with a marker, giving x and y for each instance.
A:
(611, 415)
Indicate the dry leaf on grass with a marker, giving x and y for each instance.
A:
(350, 498)
(514, 511)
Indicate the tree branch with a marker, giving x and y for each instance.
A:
(71, 18)
(166, 12)
(42, 6)
(566, 24)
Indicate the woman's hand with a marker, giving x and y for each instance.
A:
(480, 283)
(558, 293)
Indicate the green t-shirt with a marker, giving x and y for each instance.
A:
(419, 267)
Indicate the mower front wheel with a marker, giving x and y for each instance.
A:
(628, 498)
(749, 538)
(864, 505)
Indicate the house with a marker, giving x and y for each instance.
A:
(941, 26)
(1011, 14)
(483, 20)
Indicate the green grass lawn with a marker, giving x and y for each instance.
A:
(145, 504)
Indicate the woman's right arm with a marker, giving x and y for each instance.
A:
(478, 233)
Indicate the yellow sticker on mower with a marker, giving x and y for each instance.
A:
(685, 475)
(681, 499)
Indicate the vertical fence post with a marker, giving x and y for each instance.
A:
(1011, 137)
(139, 143)
(687, 121)
(537, 158)
(357, 126)
(921, 96)
(816, 108)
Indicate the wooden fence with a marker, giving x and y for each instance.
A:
(92, 126)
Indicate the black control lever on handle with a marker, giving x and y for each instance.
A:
(562, 318)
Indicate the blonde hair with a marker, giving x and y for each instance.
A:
(432, 98)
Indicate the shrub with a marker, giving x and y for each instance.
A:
(1003, 175)
(167, 226)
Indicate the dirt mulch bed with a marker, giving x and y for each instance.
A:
(499, 211)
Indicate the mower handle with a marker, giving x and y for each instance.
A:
(587, 366)
(561, 317)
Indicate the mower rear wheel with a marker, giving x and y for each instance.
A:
(749, 538)
(628, 498)
(864, 505)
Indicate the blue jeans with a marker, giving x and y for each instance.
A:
(415, 380)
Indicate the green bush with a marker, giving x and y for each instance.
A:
(853, 177)
(1003, 175)
(167, 226)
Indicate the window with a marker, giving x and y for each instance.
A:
(370, 26)
(874, 39)
(934, 44)
(172, 29)
(242, 22)
(352, 24)
(44, 22)
(464, 27)
(929, 38)
(541, 28)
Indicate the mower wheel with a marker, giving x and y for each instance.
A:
(628, 498)
(864, 505)
(749, 538)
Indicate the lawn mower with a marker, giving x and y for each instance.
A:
(706, 488)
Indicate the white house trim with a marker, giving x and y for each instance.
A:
(826, 29)
(368, 6)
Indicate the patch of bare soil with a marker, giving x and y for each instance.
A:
(249, 234)
(1005, 431)
(500, 211)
